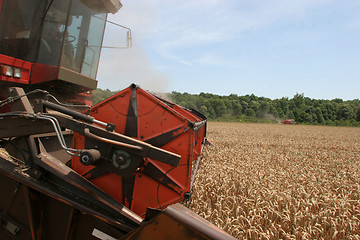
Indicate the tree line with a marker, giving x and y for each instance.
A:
(250, 108)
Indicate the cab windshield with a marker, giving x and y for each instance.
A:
(66, 33)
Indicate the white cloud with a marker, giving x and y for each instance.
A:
(188, 24)
(210, 59)
(172, 27)
(194, 22)
(354, 24)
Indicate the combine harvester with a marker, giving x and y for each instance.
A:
(117, 170)
(289, 122)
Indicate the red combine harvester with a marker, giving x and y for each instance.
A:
(289, 121)
(117, 170)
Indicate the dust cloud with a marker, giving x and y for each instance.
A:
(272, 117)
(119, 68)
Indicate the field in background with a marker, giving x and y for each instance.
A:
(271, 181)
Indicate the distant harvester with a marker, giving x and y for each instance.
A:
(289, 121)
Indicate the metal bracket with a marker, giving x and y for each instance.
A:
(12, 228)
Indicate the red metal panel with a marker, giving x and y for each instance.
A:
(141, 115)
(13, 62)
(44, 73)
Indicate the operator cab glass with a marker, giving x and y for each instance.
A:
(61, 33)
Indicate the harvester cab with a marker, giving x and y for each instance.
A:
(115, 171)
(53, 44)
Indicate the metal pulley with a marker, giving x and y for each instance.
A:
(121, 159)
(89, 156)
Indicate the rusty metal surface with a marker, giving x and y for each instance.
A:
(162, 227)
(26, 213)
(59, 169)
(197, 223)
(178, 222)
(22, 104)
(10, 170)
(17, 126)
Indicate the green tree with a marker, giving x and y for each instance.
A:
(250, 112)
(308, 118)
(319, 115)
(203, 110)
(237, 107)
(345, 112)
(218, 106)
(100, 95)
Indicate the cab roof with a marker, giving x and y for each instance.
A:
(109, 6)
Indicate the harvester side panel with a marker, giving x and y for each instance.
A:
(143, 116)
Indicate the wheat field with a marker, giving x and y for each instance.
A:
(263, 181)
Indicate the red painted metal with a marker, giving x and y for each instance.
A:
(141, 115)
(14, 62)
(288, 121)
(44, 73)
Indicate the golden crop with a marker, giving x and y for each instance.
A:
(281, 181)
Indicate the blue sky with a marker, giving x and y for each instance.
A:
(270, 48)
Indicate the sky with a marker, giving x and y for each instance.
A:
(269, 48)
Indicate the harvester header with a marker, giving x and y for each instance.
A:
(116, 170)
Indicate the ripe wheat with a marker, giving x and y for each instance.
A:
(263, 181)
